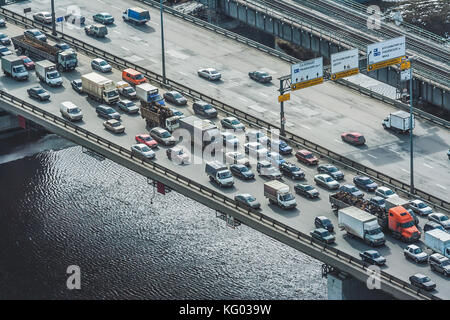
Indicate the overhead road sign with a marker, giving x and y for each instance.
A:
(386, 53)
(306, 74)
(344, 64)
(284, 97)
(26, 10)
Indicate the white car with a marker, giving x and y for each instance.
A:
(229, 139)
(385, 192)
(141, 150)
(178, 154)
(420, 207)
(255, 149)
(236, 158)
(43, 16)
(209, 73)
(101, 65)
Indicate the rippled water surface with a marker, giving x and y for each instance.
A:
(61, 208)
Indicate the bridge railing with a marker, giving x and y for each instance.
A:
(345, 257)
(400, 187)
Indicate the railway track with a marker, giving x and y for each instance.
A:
(357, 36)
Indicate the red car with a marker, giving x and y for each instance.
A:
(354, 138)
(147, 140)
(29, 64)
(307, 157)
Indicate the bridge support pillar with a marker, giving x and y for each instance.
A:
(344, 287)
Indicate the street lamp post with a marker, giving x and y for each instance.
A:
(53, 18)
(411, 131)
(162, 44)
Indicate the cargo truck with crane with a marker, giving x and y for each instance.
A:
(99, 88)
(65, 60)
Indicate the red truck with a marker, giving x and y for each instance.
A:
(401, 224)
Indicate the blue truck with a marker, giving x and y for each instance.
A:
(149, 95)
(136, 15)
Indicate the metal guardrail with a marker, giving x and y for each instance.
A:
(297, 141)
(182, 179)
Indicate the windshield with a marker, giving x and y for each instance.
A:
(407, 224)
(107, 16)
(446, 263)
(375, 255)
(64, 46)
(116, 124)
(417, 251)
(374, 231)
(36, 33)
(444, 218)
(295, 169)
(39, 91)
(213, 72)
(287, 197)
(74, 110)
(110, 110)
(224, 175)
(145, 149)
(27, 60)
(235, 121)
(129, 104)
(251, 199)
(53, 75)
(103, 63)
(207, 107)
(138, 77)
(424, 279)
(148, 139)
(421, 205)
(111, 94)
(263, 74)
(367, 181)
(244, 169)
(332, 169)
(239, 156)
(354, 189)
(20, 69)
(309, 156)
(2, 35)
(308, 188)
(165, 134)
(325, 234)
(129, 90)
(328, 179)
(177, 95)
(389, 192)
(4, 49)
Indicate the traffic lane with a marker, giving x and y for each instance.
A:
(232, 59)
(301, 218)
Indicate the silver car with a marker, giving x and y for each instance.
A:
(143, 151)
(420, 207)
(440, 218)
(43, 16)
(209, 73)
(415, 253)
(162, 136)
(384, 192)
(326, 181)
(114, 125)
(101, 65)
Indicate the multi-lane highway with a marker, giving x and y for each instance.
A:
(319, 114)
(301, 218)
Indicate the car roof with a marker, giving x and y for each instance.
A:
(245, 195)
(323, 175)
(264, 162)
(438, 214)
(321, 230)
(377, 198)
(417, 201)
(141, 145)
(322, 218)
(420, 275)
(158, 129)
(439, 256)
(348, 185)
(98, 59)
(383, 188)
(412, 246)
(112, 120)
(371, 251)
(131, 71)
(303, 151)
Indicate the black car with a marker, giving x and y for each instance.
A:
(323, 222)
(4, 39)
(352, 190)
(422, 281)
(292, 171)
(77, 85)
(331, 170)
(372, 257)
(107, 112)
(204, 109)
(260, 76)
(175, 97)
(247, 200)
(306, 190)
(365, 183)
(242, 171)
(323, 235)
(431, 225)
(38, 93)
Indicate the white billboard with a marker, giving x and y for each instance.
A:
(307, 70)
(344, 61)
(386, 50)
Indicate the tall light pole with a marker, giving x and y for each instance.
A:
(162, 43)
(411, 129)
(53, 18)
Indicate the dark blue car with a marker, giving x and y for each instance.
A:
(283, 147)
(365, 183)
(352, 190)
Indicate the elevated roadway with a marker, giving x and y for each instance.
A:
(300, 219)
(319, 114)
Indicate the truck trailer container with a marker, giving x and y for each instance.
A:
(219, 173)
(136, 15)
(438, 241)
(46, 72)
(99, 88)
(149, 95)
(13, 67)
(202, 132)
(398, 121)
(361, 224)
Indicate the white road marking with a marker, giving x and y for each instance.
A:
(396, 152)
(156, 24)
(124, 48)
(306, 127)
(116, 7)
(371, 156)
(117, 32)
(440, 186)
(339, 141)
(243, 99)
(183, 73)
(427, 165)
(263, 94)
(328, 122)
(405, 170)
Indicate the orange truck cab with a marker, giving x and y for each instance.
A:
(133, 77)
(401, 224)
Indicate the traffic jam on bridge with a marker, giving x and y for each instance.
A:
(336, 204)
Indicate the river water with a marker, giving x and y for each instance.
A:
(61, 207)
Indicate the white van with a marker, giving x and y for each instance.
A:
(70, 111)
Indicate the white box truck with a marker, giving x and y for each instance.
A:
(202, 132)
(46, 72)
(398, 121)
(149, 95)
(99, 88)
(396, 201)
(361, 224)
(279, 193)
(438, 241)
(13, 66)
(219, 173)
